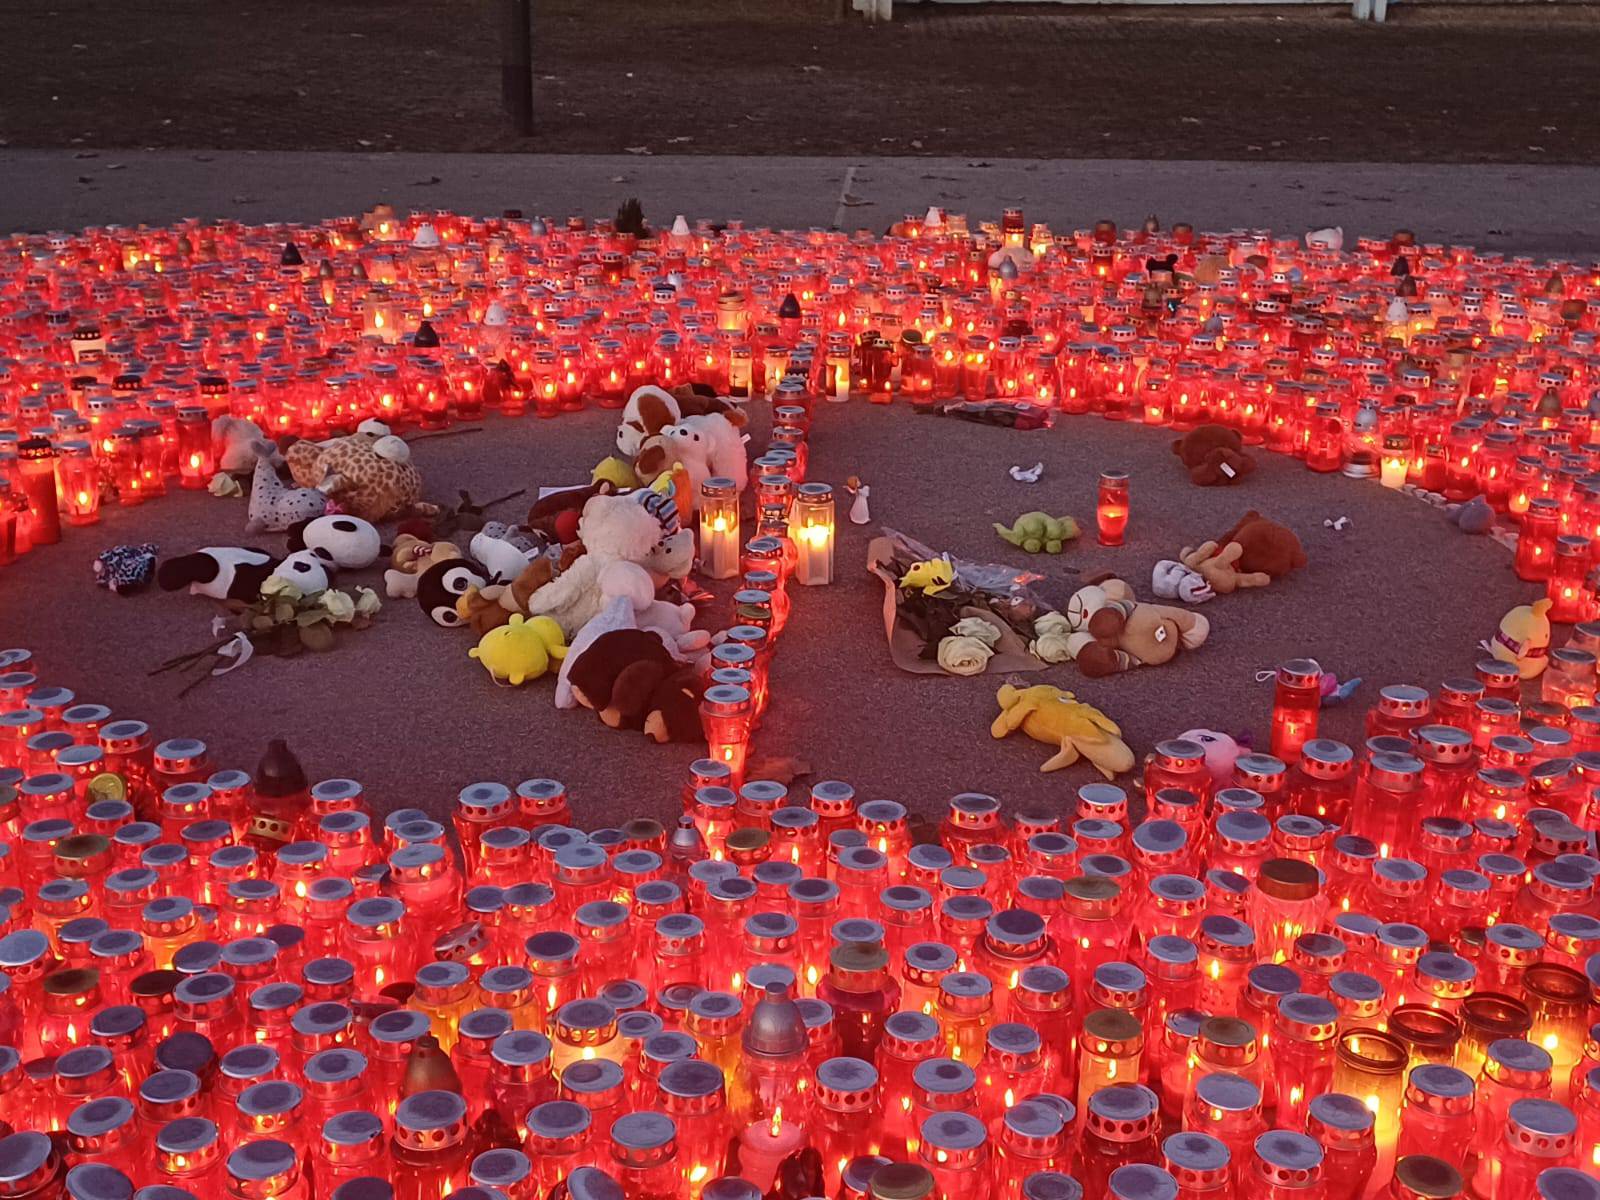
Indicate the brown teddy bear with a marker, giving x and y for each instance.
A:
(1111, 631)
(1214, 455)
(490, 607)
(1267, 547)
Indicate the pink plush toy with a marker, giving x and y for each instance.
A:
(1221, 751)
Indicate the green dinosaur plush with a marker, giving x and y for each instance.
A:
(1038, 531)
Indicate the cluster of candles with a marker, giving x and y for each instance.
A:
(1337, 972)
(1459, 372)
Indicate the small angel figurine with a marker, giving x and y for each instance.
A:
(859, 492)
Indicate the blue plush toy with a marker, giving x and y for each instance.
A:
(125, 569)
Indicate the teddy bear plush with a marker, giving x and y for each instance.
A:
(1112, 632)
(375, 478)
(618, 534)
(1268, 547)
(1219, 567)
(410, 557)
(1213, 455)
(494, 605)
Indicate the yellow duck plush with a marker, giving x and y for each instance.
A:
(521, 649)
(1057, 718)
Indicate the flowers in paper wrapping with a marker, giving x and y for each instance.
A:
(976, 627)
(964, 655)
(1050, 643)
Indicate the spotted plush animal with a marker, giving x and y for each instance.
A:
(375, 478)
(275, 506)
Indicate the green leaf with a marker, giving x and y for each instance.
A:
(310, 617)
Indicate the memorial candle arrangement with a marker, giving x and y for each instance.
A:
(226, 984)
(134, 340)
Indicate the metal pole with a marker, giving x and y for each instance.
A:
(516, 63)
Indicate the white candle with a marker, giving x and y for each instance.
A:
(719, 529)
(812, 531)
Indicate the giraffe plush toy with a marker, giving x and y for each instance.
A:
(376, 480)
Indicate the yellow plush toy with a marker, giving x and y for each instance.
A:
(1057, 718)
(521, 649)
(616, 471)
(1523, 639)
(931, 576)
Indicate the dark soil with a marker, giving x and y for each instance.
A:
(1438, 84)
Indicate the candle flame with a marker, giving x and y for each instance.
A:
(777, 1119)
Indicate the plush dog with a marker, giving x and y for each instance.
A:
(706, 446)
(275, 506)
(1113, 632)
(651, 409)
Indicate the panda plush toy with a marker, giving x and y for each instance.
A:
(221, 572)
(348, 542)
(308, 570)
(441, 585)
(237, 572)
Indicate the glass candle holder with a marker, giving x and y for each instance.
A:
(719, 528)
(1371, 1066)
(1297, 697)
(812, 530)
(1111, 508)
(78, 483)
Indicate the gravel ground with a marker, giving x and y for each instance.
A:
(1399, 596)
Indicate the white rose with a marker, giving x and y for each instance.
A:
(367, 602)
(976, 627)
(338, 605)
(964, 655)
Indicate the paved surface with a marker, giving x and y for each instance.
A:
(1440, 82)
(1521, 209)
(1400, 596)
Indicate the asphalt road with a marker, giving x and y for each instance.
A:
(1542, 210)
